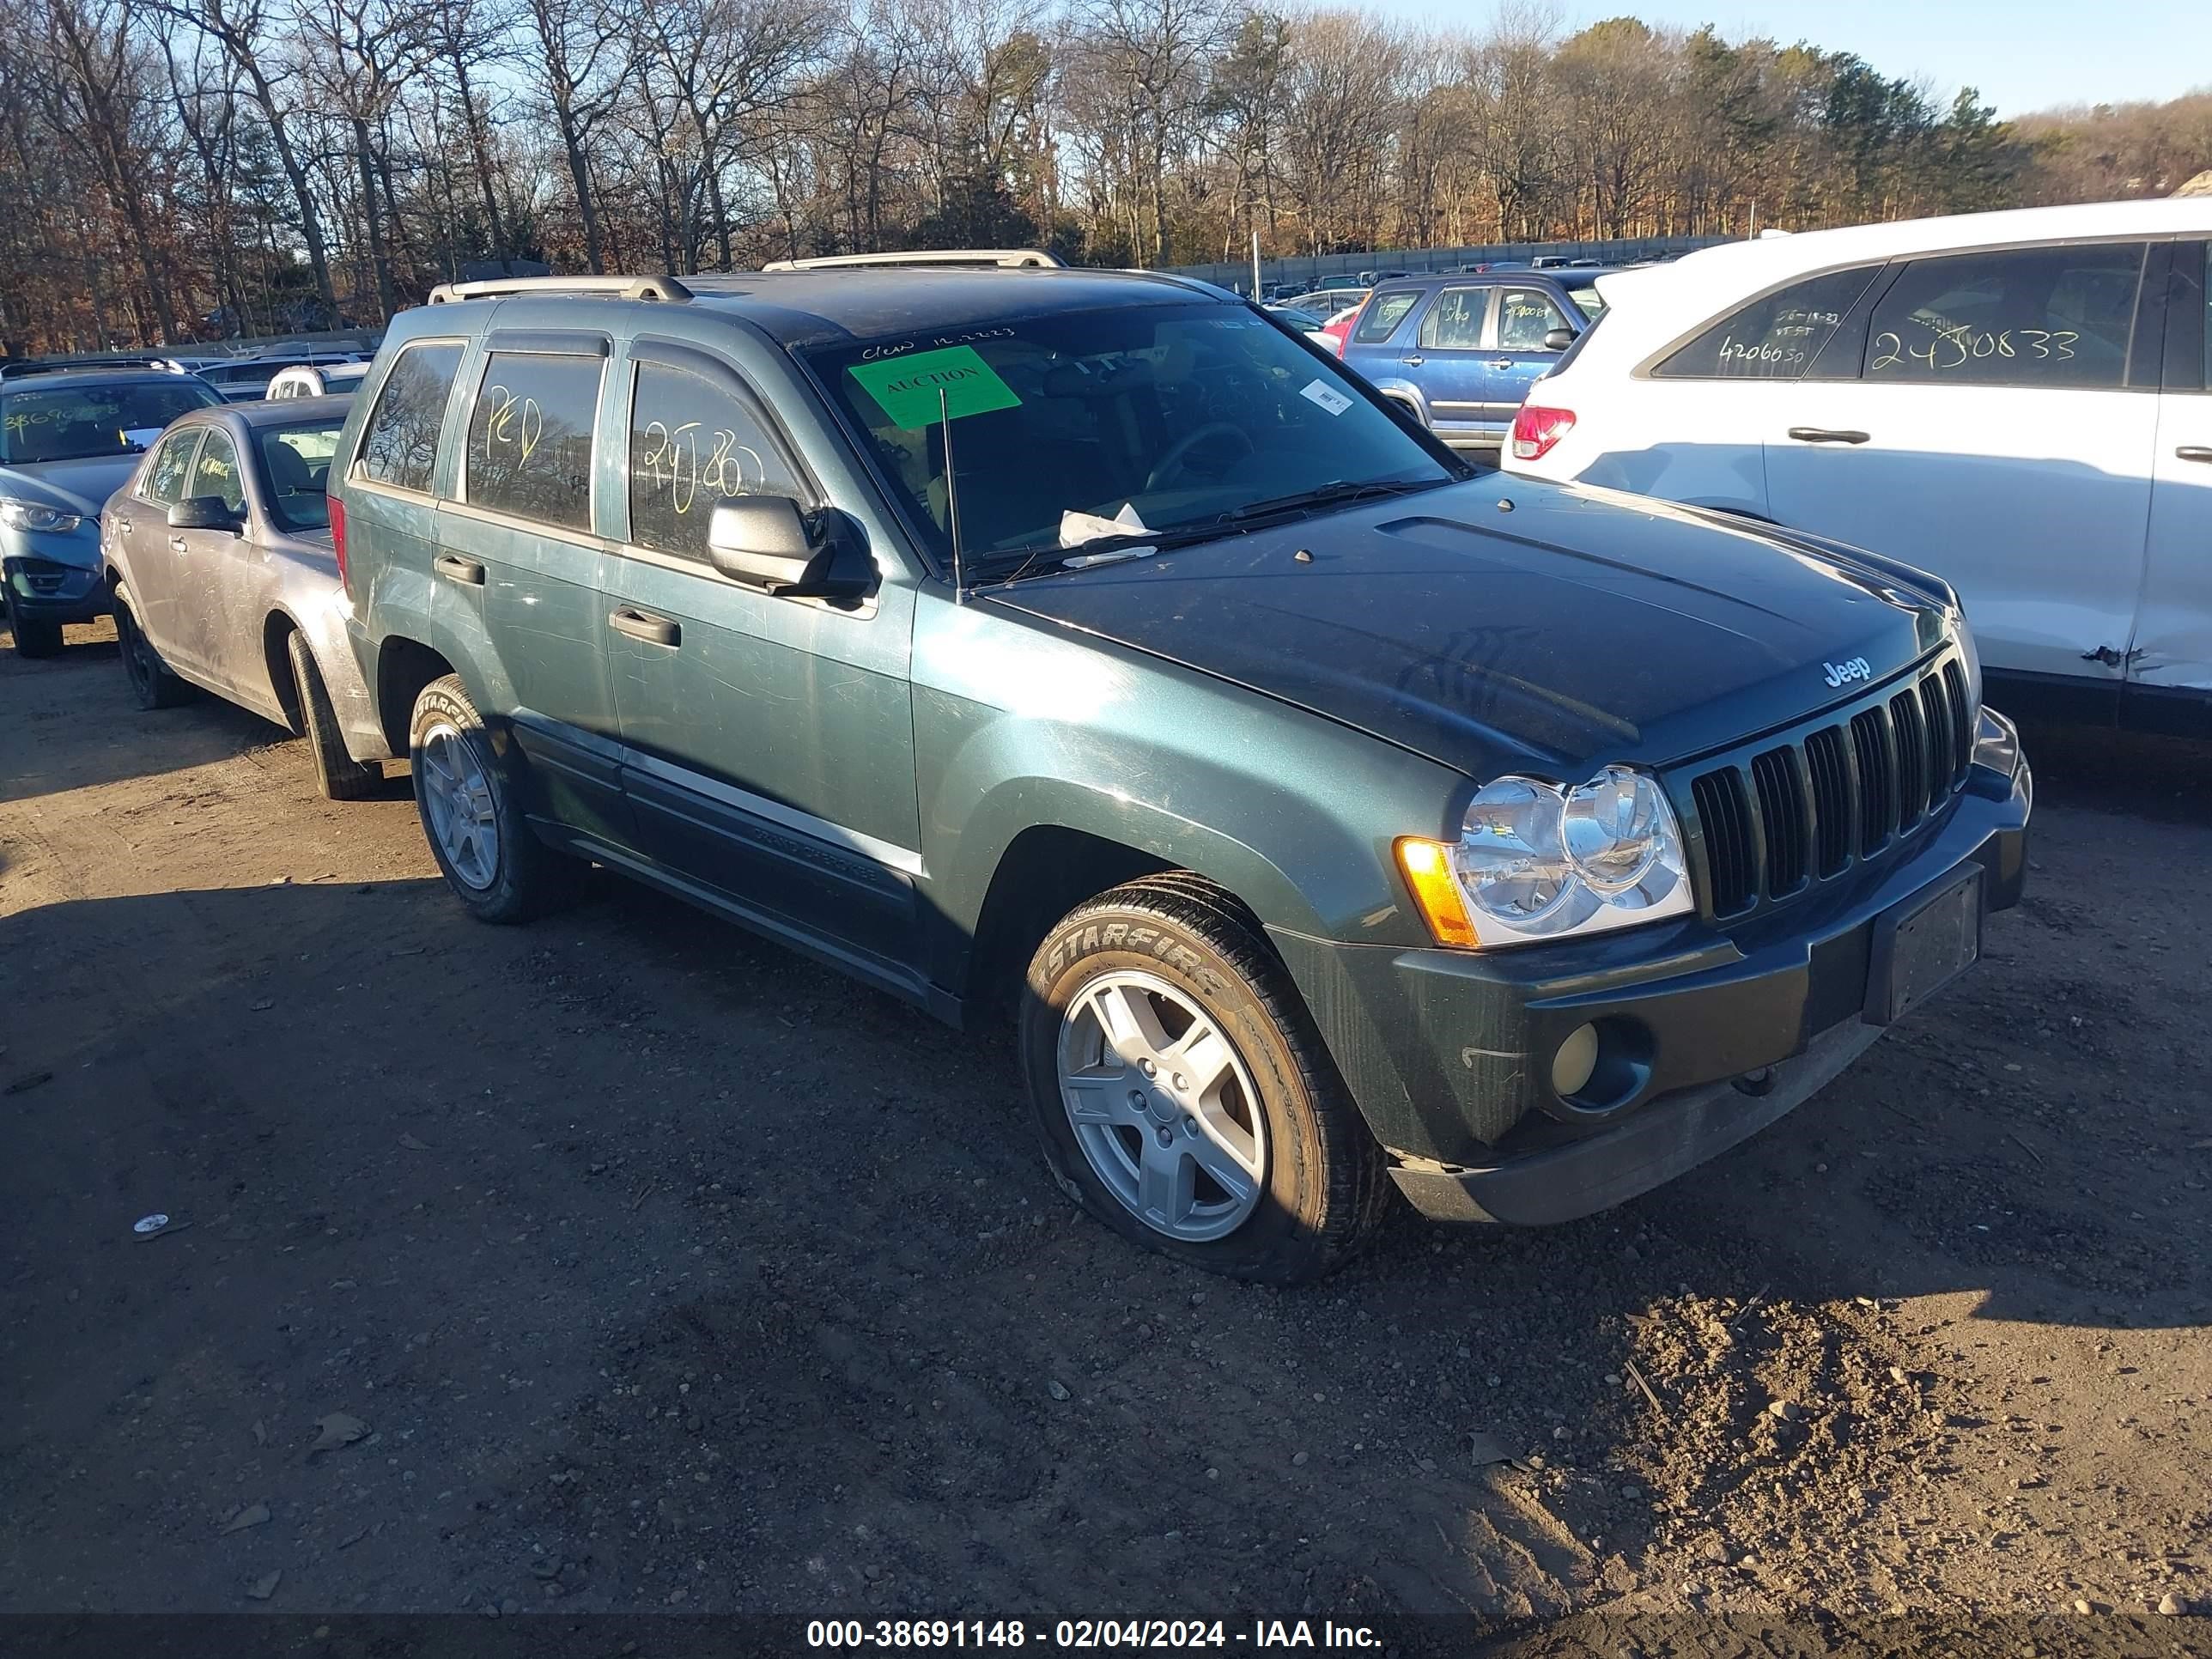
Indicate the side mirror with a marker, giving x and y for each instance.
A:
(205, 512)
(767, 542)
(1558, 339)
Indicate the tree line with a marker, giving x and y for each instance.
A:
(175, 169)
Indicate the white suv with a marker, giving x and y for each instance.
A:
(2020, 402)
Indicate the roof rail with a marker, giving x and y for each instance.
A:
(50, 365)
(614, 288)
(1006, 258)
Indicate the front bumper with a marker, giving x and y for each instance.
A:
(1449, 1053)
(45, 590)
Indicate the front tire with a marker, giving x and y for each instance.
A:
(337, 775)
(1182, 1093)
(34, 636)
(152, 684)
(468, 792)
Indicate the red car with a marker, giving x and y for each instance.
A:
(1338, 326)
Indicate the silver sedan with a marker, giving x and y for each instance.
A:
(218, 552)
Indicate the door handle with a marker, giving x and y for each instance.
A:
(2187, 452)
(1501, 362)
(177, 544)
(642, 625)
(123, 524)
(1413, 361)
(1821, 434)
(467, 572)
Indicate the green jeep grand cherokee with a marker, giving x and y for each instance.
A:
(1089, 647)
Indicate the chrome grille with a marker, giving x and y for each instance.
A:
(1775, 820)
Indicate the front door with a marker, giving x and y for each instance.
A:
(1526, 316)
(145, 525)
(769, 742)
(203, 564)
(1449, 361)
(1998, 435)
(2170, 668)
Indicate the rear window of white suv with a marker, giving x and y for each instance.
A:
(1777, 336)
(2054, 317)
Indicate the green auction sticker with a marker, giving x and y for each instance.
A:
(908, 387)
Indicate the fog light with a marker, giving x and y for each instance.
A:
(1574, 1062)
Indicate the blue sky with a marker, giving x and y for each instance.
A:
(2023, 54)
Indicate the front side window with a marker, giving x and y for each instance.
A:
(71, 422)
(296, 472)
(2050, 317)
(1171, 418)
(694, 443)
(165, 478)
(215, 473)
(530, 437)
(1384, 315)
(1775, 337)
(1525, 316)
(1454, 322)
(400, 447)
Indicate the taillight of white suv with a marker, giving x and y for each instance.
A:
(1536, 428)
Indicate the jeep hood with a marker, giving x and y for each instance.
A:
(1509, 624)
(80, 487)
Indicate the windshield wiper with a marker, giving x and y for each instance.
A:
(1044, 560)
(1337, 493)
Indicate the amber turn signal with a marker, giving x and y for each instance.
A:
(1427, 867)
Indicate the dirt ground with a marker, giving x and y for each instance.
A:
(626, 1262)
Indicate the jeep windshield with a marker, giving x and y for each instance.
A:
(1125, 426)
(70, 422)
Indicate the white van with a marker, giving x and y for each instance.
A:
(2020, 402)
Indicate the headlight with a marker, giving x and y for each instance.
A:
(1534, 861)
(1997, 743)
(35, 515)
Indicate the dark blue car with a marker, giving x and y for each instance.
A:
(1462, 350)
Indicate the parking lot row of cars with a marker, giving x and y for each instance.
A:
(1089, 651)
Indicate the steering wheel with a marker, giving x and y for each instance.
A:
(1171, 464)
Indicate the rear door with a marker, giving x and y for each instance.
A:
(1999, 432)
(520, 545)
(770, 741)
(2170, 668)
(1448, 359)
(1526, 316)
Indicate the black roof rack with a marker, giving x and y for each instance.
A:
(9, 371)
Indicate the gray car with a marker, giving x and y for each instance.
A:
(219, 553)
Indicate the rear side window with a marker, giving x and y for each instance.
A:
(1525, 316)
(165, 478)
(215, 472)
(400, 447)
(530, 437)
(2055, 316)
(693, 443)
(1776, 335)
(1384, 315)
(1454, 322)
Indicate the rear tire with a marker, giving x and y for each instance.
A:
(152, 684)
(337, 775)
(468, 790)
(1183, 1094)
(33, 637)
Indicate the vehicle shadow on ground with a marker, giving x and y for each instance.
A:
(67, 753)
(651, 1249)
